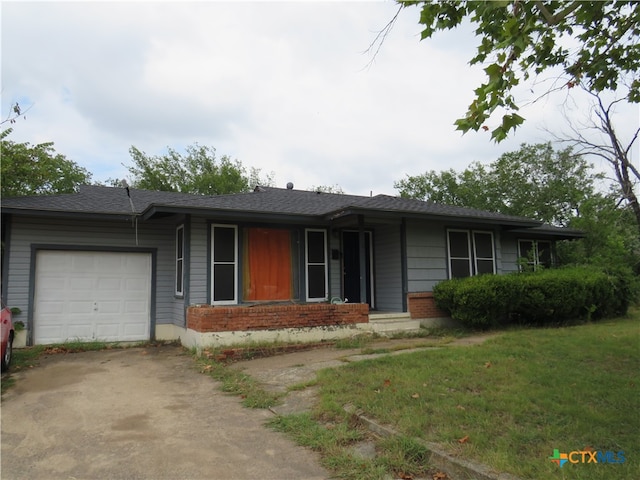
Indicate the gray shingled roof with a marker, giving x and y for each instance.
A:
(99, 200)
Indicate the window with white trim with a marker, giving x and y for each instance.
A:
(316, 265)
(224, 264)
(534, 254)
(180, 260)
(470, 253)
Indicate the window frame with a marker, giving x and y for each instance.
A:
(472, 257)
(536, 253)
(450, 258)
(308, 264)
(475, 252)
(235, 262)
(179, 258)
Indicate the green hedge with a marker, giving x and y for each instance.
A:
(548, 296)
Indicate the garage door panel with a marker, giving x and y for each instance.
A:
(82, 307)
(132, 329)
(105, 283)
(54, 332)
(81, 332)
(92, 296)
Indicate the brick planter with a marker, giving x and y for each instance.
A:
(270, 317)
(422, 305)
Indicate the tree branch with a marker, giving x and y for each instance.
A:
(555, 19)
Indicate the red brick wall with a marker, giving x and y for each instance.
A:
(239, 318)
(422, 305)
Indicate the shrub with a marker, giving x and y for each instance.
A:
(548, 296)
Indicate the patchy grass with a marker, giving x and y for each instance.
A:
(510, 402)
(337, 443)
(357, 341)
(236, 382)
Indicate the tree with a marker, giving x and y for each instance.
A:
(598, 137)
(519, 40)
(15, 111)
(327, 189)
(611, 239)
(535, 181)
(37, 170)
(197, 171)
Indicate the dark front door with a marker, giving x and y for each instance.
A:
(351, 267)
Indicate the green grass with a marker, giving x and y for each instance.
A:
(516, 398)
(237, 383)
(335, 441)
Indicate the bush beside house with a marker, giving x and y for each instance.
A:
(544, 297)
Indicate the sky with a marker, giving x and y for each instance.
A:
(285, 87)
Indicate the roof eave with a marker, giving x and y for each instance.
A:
(230, 214)
(505, 222)
(32, 212)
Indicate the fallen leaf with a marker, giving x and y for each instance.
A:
(487, 365)
(405, 476)
(387, 383)
(415, 395)
(439, 476)
(464, 439)
(460, 407)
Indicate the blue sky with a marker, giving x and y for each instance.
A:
(286, 87)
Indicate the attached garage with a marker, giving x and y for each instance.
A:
(91, 295)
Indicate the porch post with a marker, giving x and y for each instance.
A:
(363, 260)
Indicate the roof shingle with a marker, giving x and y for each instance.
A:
(91, 199)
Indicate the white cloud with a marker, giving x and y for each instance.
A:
(281, 86)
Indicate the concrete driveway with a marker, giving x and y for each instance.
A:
(139, 413)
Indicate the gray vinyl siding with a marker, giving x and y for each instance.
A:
(426, 255)
(509, 245)
(388, 268)
(26, 231)
(198, 262)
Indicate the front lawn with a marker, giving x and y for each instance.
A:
(508, 403)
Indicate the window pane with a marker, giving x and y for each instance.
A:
(179, 243)
(526, 250)
(484, 266)
(483, 244)
(315, 247)
(460, 268)
(544, 253)
(179, 276)
(316, 277)
(224, 244)
(459, 244)
(223, 282)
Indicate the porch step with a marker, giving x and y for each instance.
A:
(393, 322)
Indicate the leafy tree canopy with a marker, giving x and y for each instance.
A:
(610, 240)
(37, 169)
(197, 171)
(535, 182)
(595, 43)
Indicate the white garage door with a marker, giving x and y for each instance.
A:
(85, 296)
